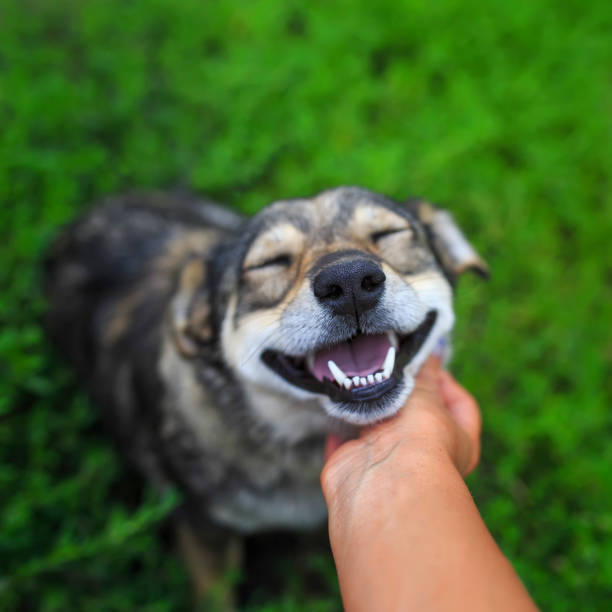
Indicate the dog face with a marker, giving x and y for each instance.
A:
(341, 298)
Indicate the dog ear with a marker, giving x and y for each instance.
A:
(450, 246)
(190, 309)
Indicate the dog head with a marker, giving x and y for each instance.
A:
(342, 297)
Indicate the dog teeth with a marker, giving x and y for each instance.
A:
(389, 362)
(393, 339)
(310, 361)
(338, 374)
(363, 381)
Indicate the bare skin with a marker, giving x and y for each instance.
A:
(404, 529)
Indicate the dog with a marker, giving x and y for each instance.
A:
(222, 350)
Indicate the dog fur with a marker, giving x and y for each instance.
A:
(179, 315)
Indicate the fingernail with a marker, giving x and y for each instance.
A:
(439, 350)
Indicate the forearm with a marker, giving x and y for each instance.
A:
(418, 543)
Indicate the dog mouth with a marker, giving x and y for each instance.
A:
(362, 368)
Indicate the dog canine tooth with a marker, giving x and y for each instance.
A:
(356, 381)
(348, 383)
(338, 374)
(378, 376)
(393, 339)
(371, 378)
(389, 362)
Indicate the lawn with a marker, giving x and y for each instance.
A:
(499, 111)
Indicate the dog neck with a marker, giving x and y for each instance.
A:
(287, 419)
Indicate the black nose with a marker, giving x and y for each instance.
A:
(350, 287)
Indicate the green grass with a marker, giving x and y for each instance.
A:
(499, 110)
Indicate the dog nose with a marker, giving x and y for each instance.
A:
(350, 287)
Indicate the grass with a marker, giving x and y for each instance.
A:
(501, 111)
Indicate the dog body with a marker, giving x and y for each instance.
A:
(223, 350)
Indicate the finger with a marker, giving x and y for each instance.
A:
(332, 443)
(464, 410)
(427, 378)
(461, 403)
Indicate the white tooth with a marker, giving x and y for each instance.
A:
(356, 380)
(363, 381)
(389, 362)
(339, 375)
(392, 338)
(347, 382)
(378, 376)
(371, 378)
(310, 361)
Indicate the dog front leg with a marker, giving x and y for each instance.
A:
(213, 557)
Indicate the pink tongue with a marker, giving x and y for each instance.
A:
(359, 357)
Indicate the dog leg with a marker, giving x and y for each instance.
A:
(213, 557)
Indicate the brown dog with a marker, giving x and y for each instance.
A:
(223, 350)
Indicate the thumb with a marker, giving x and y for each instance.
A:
(332, 443)
(466, 413)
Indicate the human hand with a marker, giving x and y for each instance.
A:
(404, 530)
(440, 422)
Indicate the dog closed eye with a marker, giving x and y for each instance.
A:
(377, 236)
(283, 260)
(279, 246)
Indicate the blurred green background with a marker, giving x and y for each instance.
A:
(498, 110)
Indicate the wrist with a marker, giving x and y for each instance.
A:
(376, 528)
(364, 499)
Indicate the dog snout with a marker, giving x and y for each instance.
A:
(350, 287)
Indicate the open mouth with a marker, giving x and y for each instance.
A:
(362, 368)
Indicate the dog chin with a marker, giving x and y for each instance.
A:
(366, 412)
